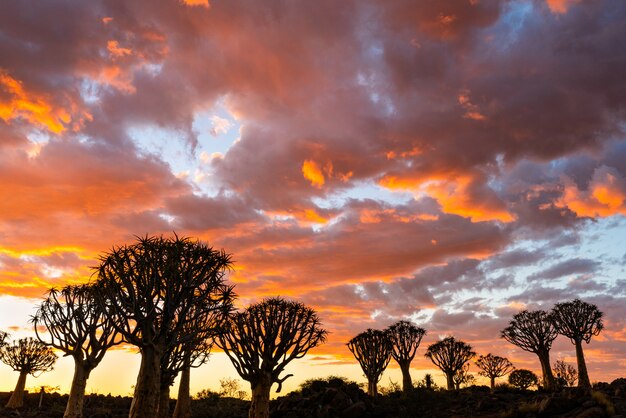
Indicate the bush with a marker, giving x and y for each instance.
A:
(523, 379)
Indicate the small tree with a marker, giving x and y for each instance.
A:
(566, 371)
(450, 356)
(523, 379)
(372, 349)
(192, 353)
(151, 290)
(463, 377)
(405, 339)
(493, 367)
(578, 321)
(26, 356)
(263, 339)
(78, 327)
(534, 331)
(181, 358)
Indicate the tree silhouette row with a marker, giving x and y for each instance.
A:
(169, 297)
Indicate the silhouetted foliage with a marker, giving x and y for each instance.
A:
(534, 331)
(152, 290)
(3, 338)
(405, 339)
(191, 353)
(578, 321)
(523, 379)
(463, 377)
(493, 367)
(26, 356)
(566, 372)
(450, 355)
(264, 338)
(78, 327)
(373, 350)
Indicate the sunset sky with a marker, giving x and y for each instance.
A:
(449, 162)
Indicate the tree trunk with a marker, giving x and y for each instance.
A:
(260, 405)
(493, 382)
(183, 402)
(372, 388)
(450, 380)
(407, 383)
(164, 401)
(74, 408)
(146, 396)
(583, 377)
(17, 397)
(546, 369)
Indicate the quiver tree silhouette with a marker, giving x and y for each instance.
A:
(534, 331)
(372, 349)
(182, 357)
(566, 372)
(151, 290)
(578, 321)
(405, 339)
(450, 355)
(493, 367)
(262, 339)
(26, 356)
(523, 379)
(463, 377)
(77, 326)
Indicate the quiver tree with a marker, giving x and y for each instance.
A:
(26, 356)
(405, 338)
(566, 372)
(372, 349)
(578, 321)
(262, 339)
(77, 326)
(534, 331)
(493, 367)
(182, 357)
(151, 290)
(463, 377)
(450, 356)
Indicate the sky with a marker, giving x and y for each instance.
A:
(447, 162)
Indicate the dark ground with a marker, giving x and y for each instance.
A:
(336, 398)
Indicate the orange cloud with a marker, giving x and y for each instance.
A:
(313, 173)
(606, 195)
(471, 110)
(459, 196)
(560, 6)
(203, 3)
(18, 103)
(116, 50)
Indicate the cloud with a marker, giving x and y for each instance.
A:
(566, 268)
(413, 160)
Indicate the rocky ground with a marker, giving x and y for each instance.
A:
(337, 398)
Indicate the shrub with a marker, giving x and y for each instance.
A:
(523, 379)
